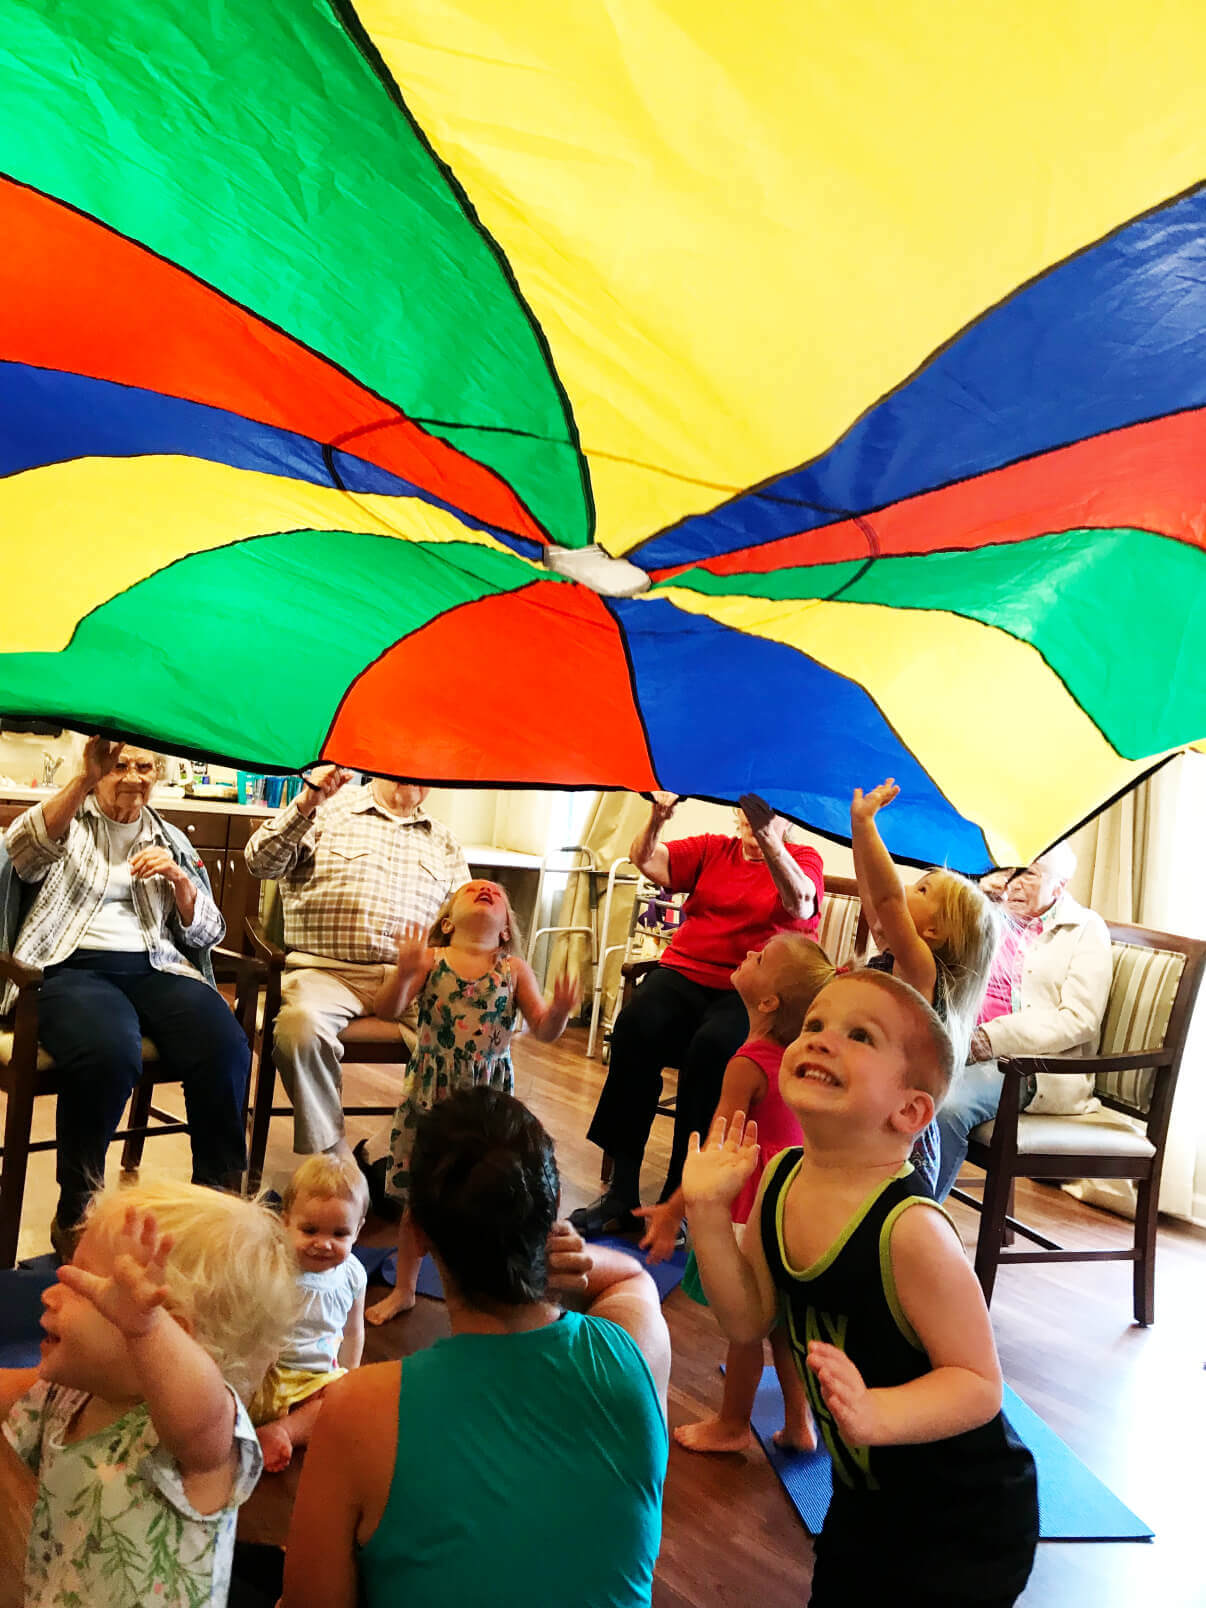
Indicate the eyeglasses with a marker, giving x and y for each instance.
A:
(135, 767)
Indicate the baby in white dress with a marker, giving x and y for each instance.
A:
(323, 1210)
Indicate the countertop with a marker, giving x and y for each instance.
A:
(161, 800)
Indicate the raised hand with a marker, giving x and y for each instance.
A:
(664, 805)
(568, 1259)
(567, 995)
(100, 756)
(322, 782)
(414, 952)
(846, 1396)
(662, 1223)
(756, 811)
(131, 1296)
(866, 806)
(716, 1174)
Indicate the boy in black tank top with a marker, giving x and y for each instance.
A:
(934, 1497)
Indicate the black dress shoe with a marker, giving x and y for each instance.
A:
(607, 1215)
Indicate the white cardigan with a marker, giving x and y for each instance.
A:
(1062, 994)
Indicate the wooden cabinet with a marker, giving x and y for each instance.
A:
(219, 836)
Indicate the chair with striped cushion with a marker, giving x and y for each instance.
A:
(1155, 984)
(843, 933)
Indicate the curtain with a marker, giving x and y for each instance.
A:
(1143, 861)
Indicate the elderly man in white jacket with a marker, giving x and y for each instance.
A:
(1060, 985)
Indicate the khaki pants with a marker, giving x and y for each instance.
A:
(318, 1000)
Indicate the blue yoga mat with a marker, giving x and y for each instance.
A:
(382, 1264)
(1073, 1503)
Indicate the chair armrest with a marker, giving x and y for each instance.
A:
(262, 947)
(20, 975)
(633, 970)
(238, 963)
(1029, 1066)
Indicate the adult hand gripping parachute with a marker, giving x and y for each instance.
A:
(874, 338)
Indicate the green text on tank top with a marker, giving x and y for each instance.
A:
(851, 1463)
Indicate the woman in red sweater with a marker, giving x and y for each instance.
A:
(742, 891)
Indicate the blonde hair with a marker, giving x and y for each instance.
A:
(800, 969)
(327, 1177)
(928, 1048)
(231, 1274)
(439, 939)
(971, 924)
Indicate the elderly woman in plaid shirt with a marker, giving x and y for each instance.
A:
(355, 864)
(122, 922)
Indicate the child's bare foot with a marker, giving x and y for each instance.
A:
(713, 1435)
(391, 1306)
(799, 1433)
(276, 1444)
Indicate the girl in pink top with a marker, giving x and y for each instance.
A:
(777, 984)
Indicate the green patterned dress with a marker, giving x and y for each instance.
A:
(112, 1524)
(465, 1028)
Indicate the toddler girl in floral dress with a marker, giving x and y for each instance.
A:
(158, 1331)
(472, 988)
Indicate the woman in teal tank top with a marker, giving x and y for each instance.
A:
(521, 1459)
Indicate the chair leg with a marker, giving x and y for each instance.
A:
(1007, 1234)
(140, 1115)
(605, 1170)
(997, 1191)
(1146, 1211)
(261, 1118)
(17, 1124)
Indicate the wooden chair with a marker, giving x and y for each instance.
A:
(843, 935)
(1151, 1000)
(367, 1040)
(27, 1073)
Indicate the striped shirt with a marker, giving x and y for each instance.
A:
(353, 872)
(74, 872)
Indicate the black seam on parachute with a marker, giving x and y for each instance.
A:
(962, 549)
(759, 490)
(396, 414)
(452, 608)
(874, 702)
(535, 551)
(962, 614)
(344, 12)
(630, 669)
(932, 491)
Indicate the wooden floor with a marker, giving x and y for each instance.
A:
(1128, 1401)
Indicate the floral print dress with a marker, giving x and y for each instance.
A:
(465, 1028)
(112, 1525)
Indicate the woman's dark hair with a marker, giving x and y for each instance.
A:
(484, 1189)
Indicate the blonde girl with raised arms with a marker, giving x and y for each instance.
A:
(472, 986)
(939, 935)
(157, 1332)
(323, 1210)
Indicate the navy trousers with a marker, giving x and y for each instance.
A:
(94, 1011)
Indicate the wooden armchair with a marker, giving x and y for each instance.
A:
(1151, 1000)
(27, 1072)
(368, 1040)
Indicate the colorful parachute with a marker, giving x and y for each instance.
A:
(875, 336)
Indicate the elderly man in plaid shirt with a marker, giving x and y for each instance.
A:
(354, 864)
